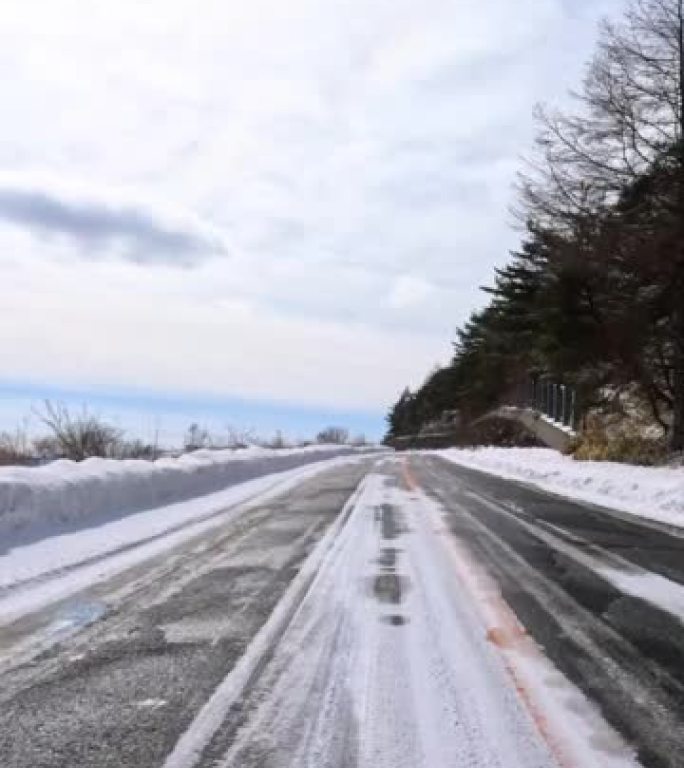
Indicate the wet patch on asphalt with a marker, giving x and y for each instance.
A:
(395, 620)
(389, 585)
(73, 617)
(388, 558)
(387, 588)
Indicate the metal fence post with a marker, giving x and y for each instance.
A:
(562, 386)
(557, 401)
(573, 409)
(556, 410)
(549, 395)
(545, 401)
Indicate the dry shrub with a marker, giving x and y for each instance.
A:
(629, 445)
(499, 432)
(622, 429)
(15, 448)
(333, 436)
(78, 436)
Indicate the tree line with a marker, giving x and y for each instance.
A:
(594, 296)
(80, 435)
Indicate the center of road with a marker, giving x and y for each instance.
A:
(394, 648)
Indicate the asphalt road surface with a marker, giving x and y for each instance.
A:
(388, 612)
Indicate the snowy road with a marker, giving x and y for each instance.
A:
(381, 612)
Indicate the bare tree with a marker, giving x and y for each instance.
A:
(629, 126)
(196, 437)
(629, 116)
(240, 438)
(15, 447)
(333, 435)
(276, 441)
(79, 436)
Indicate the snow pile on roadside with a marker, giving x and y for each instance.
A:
(656, 493)
(51, 567)
(73, 493)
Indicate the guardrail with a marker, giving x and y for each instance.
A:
(554, 400)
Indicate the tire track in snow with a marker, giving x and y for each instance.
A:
(568, 723)
(574, 624)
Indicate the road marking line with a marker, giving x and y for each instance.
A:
(507, 634)
(407, 474)
(504, 632)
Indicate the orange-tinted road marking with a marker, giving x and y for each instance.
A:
(407, 474)
(504, 631)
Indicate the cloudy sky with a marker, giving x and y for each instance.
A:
(269, 212)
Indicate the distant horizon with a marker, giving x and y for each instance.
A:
(165, 417)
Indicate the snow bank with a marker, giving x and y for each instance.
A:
(656, 493)
(89, 492)
(52, 567)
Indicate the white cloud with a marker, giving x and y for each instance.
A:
(98, 324)
(409, 291)
(358, 158)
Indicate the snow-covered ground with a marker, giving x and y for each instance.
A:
(655, 493)
(73, 494)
